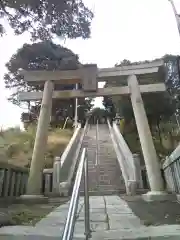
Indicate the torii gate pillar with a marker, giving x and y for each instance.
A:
(148, 149)
(37, 164)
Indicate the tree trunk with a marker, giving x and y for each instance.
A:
(171, 140)
(150, 125)
(159, 131)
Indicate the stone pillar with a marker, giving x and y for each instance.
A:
(56, 174)
(76, 109)
(37, 164)
(13, 179)
(138, 172)
(18, 184)
(47, 173)
(7, 182)
(2, 179)
(148, 149)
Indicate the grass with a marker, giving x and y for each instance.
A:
(28, 215)
(154, 213)
(164, 147)
(16, 146)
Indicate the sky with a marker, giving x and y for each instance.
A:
(121, 29)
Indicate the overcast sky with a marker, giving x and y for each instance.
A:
(122, 29)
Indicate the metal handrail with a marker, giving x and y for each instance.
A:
(97, 145)
(73, 207)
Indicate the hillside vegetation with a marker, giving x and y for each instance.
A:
(16, 146)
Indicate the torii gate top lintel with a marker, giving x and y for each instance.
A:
(75, 76)
(89, 76)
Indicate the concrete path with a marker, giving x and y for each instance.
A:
(106, 213)
(110, 218)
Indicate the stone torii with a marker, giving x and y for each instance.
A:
(149, 75)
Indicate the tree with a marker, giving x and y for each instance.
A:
(109, 105)
(37, 56)
(42, 56)
(98, 114)
(172, 80)
(85, 106)
(43, 18)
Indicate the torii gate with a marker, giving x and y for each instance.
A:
(89, 76)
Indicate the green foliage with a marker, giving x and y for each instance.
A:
(83, 109)
(126, 62)
(98, 114)
(25, 218)
(43, 18)
(15, 141)
(28, 215)
(109, 106)
(16, 146)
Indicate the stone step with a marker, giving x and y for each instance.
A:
(36, 233)
(106, 176)
(105, 192)
(169, 232)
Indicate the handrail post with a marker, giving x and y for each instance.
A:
(86, 201)
(97, 146)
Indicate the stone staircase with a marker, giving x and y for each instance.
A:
(105, 177)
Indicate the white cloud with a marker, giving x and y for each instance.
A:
(131, 29)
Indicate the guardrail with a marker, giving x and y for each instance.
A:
(61, 169)
(65, 166)
(171, 170)
(73, 207)
(62, 165)
(129, 164)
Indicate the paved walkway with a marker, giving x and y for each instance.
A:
(111, 218)
(106, 213)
